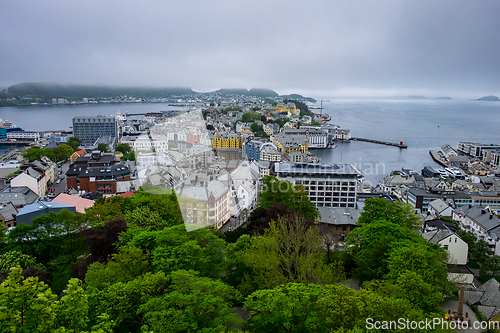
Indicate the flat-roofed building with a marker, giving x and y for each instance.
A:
(328, 185)
(90, 128)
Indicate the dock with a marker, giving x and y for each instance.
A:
(399, 145)
(435, 156)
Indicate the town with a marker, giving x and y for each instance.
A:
(218, 154)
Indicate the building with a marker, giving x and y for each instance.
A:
(457, 249)
(147, 142)
(77, 154)
(24, 136)
(205, 204)
(80, 204)
(33, 178)
(341, 220)
(19, 196)
(441, 208)
(286, 143)
(90, 128)
(328, 185)
(420, 198)
(481, 222)
(29, 212)
(269, 152)
(487, 299)
(227, 141)
(8, 214)
(474, 150)
(97, 172)
(317, 138)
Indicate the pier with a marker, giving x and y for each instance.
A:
(399, 145)
(435, 156)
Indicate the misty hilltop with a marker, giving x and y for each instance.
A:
(489, 98)
(54, 90)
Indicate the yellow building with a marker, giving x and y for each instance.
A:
(290, 143)
(288, 107)
(227, 141)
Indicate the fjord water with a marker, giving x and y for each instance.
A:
(422, 124)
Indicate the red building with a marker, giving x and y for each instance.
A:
(97, 172)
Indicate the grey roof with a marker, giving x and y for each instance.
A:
(487, 298)
(8, 212)
(20, 196)
(42, 206)
(483, 217)
(438, 205)
(317, 168)
(437, 235)
(339, 216)
(117, 170)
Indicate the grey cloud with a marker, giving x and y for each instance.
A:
(435, 46)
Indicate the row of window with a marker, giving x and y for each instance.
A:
(327, 204)
(325, 182)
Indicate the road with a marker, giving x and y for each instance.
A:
(62, 186)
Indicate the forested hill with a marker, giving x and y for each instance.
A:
(53, 90)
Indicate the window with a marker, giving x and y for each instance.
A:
(446, 247)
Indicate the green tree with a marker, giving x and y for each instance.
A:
(123, 148)
(481, 251)
(126, 265)
(292, 196)
(287, 308)
(74, 143)
(290, 251)
(192, 304)
(15, 258)
(145, 217)
(491, 264)
(312, 308)
(32, 153)
(104, 147)
(63, 152)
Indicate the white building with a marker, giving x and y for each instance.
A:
(33, 179)
(23, 136)
(482, 223)
(328, 185)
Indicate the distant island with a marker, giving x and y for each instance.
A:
(489, 98)
(444, 97)
(37, 93)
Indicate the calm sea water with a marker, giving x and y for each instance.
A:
(422, 124)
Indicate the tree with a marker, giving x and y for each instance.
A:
(287, 308)
(126, 265)
(260, 217)
(329, 308)
(123, 148)
(63, 152)
(481, 251)
(74, 143)
(14, 258)
(104, 147)
(32, 153)
(27, 305)
(192, 304)
(292, 196)
(290, 251)
(491, 264)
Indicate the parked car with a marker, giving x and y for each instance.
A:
(52, 190)
(59, 180)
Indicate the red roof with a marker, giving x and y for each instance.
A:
(81, 152)
(79, 203)
(126, 194)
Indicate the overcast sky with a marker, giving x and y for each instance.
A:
(330, 48)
